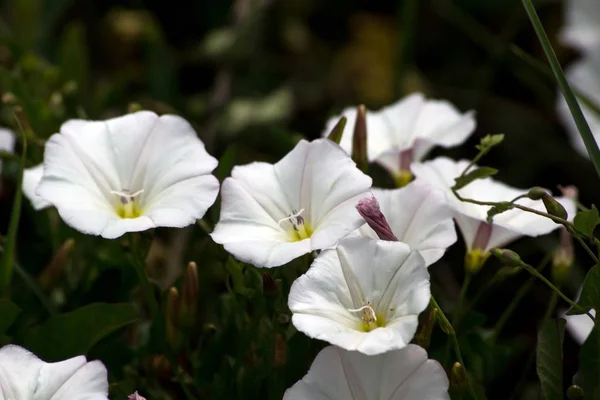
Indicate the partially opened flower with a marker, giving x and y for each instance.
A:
(480, 236)
(419, 216)
(364, 295)
(584, 76)
(407, 130)
(581, 29)
(128, 174)
(404, 374)
(271, 214)
(23, 376)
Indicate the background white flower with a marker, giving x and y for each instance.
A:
(23, 376)
(419, 216)
(365, 295)
(581, 29)
(584, 76)
(128, 174)
(7, 142)
(471, 218)
(579, 326)
(271, 214)
(407, 130)
(404, 374)
(31, 179)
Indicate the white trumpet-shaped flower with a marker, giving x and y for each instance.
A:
(404, 374)
(23, 376)
(581, 29)
(271, 214)
(480, 236)
(128, 174)
(364, 295)
(583, 75)
(407, 130)
(419, 216)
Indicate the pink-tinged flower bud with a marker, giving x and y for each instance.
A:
(359, 140)
(136, 396)
(369, 209)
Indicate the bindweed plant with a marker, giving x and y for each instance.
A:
(160, 246)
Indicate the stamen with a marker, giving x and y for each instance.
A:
(125, 196)
(297, 216)
(370, 316)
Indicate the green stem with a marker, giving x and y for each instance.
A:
(137, 262)
(536, 273)
(580, 121)
(452, 333)
(29, 282)
(458, 310)
(516, 300)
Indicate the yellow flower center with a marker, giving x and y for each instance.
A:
(475, 259)
(297, 228)
(369, 319)
(128, 206)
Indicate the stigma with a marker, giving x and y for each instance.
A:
(368, 317)
(299, 229)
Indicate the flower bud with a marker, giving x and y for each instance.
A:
(359, 140)
(507, 257)
(423, 335)
(458, 380)
(575, 392)
(537, 193)
(554, 208)
(189, 292)
(173, 334)
(336, 133)
(70, 88)
(56, 266)
(270, 287)
(135, 396)
(9, 99)
(563, 257)
(279, 352)
(445, 326)
(134, 107)
(369, 209)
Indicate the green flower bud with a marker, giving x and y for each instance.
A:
(575, 392)
(458, 380)
(537, 193)
(507, 257)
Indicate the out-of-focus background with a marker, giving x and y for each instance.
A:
(254, 76)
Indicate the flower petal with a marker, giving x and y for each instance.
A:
(580, 29)
(19, 370)
(387, 272)
(88, 382)
(31, 179)
(404, 374)
(580, 326)
(7, 142)
(419, 216)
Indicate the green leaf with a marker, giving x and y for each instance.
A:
(8, 314)
(590, 294)
(588, 375)
(75, 333)
(586, 221)
(498, 209)
(549, 358)
(489, 141)
(336, 133)
(478, 173)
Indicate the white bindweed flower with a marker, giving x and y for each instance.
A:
(581, 29)
(271, 214)
(31, 179)
(419, 216)
(404, 374)
(7, 142)
(584, 76)
(579, 326)
(506, 227)
(407, 130)
(23, 376)
(364, 295)
(128, 174)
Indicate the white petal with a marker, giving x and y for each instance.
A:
(419, 216)
(580, 326)
(387, 272)
(580, 29)
(583, 75)
(508, 225)
(31, 179)
(7, 142)
(19, 370)
(404, 374)
(88, 382)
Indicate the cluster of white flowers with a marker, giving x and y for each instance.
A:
(362, 294)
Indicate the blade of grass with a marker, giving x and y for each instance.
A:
(582, 125)
(8, 257)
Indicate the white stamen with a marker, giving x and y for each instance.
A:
(365, 307)
(299, 213)
(125, 193)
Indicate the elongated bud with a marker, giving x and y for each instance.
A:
(563, 257)
(445, 326)
(190, 293)
(279, 352)
(369, 209)
(338, 130)
(56, 266)
(270, 287)
(458, 379)
(575, 392)
(553, 207)
(173, 334)
(507, 257)
(423, 335)
(359, 140)
(135, 396)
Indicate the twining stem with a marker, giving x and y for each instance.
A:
(580, 121)
(516, 300)
(452, 333)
